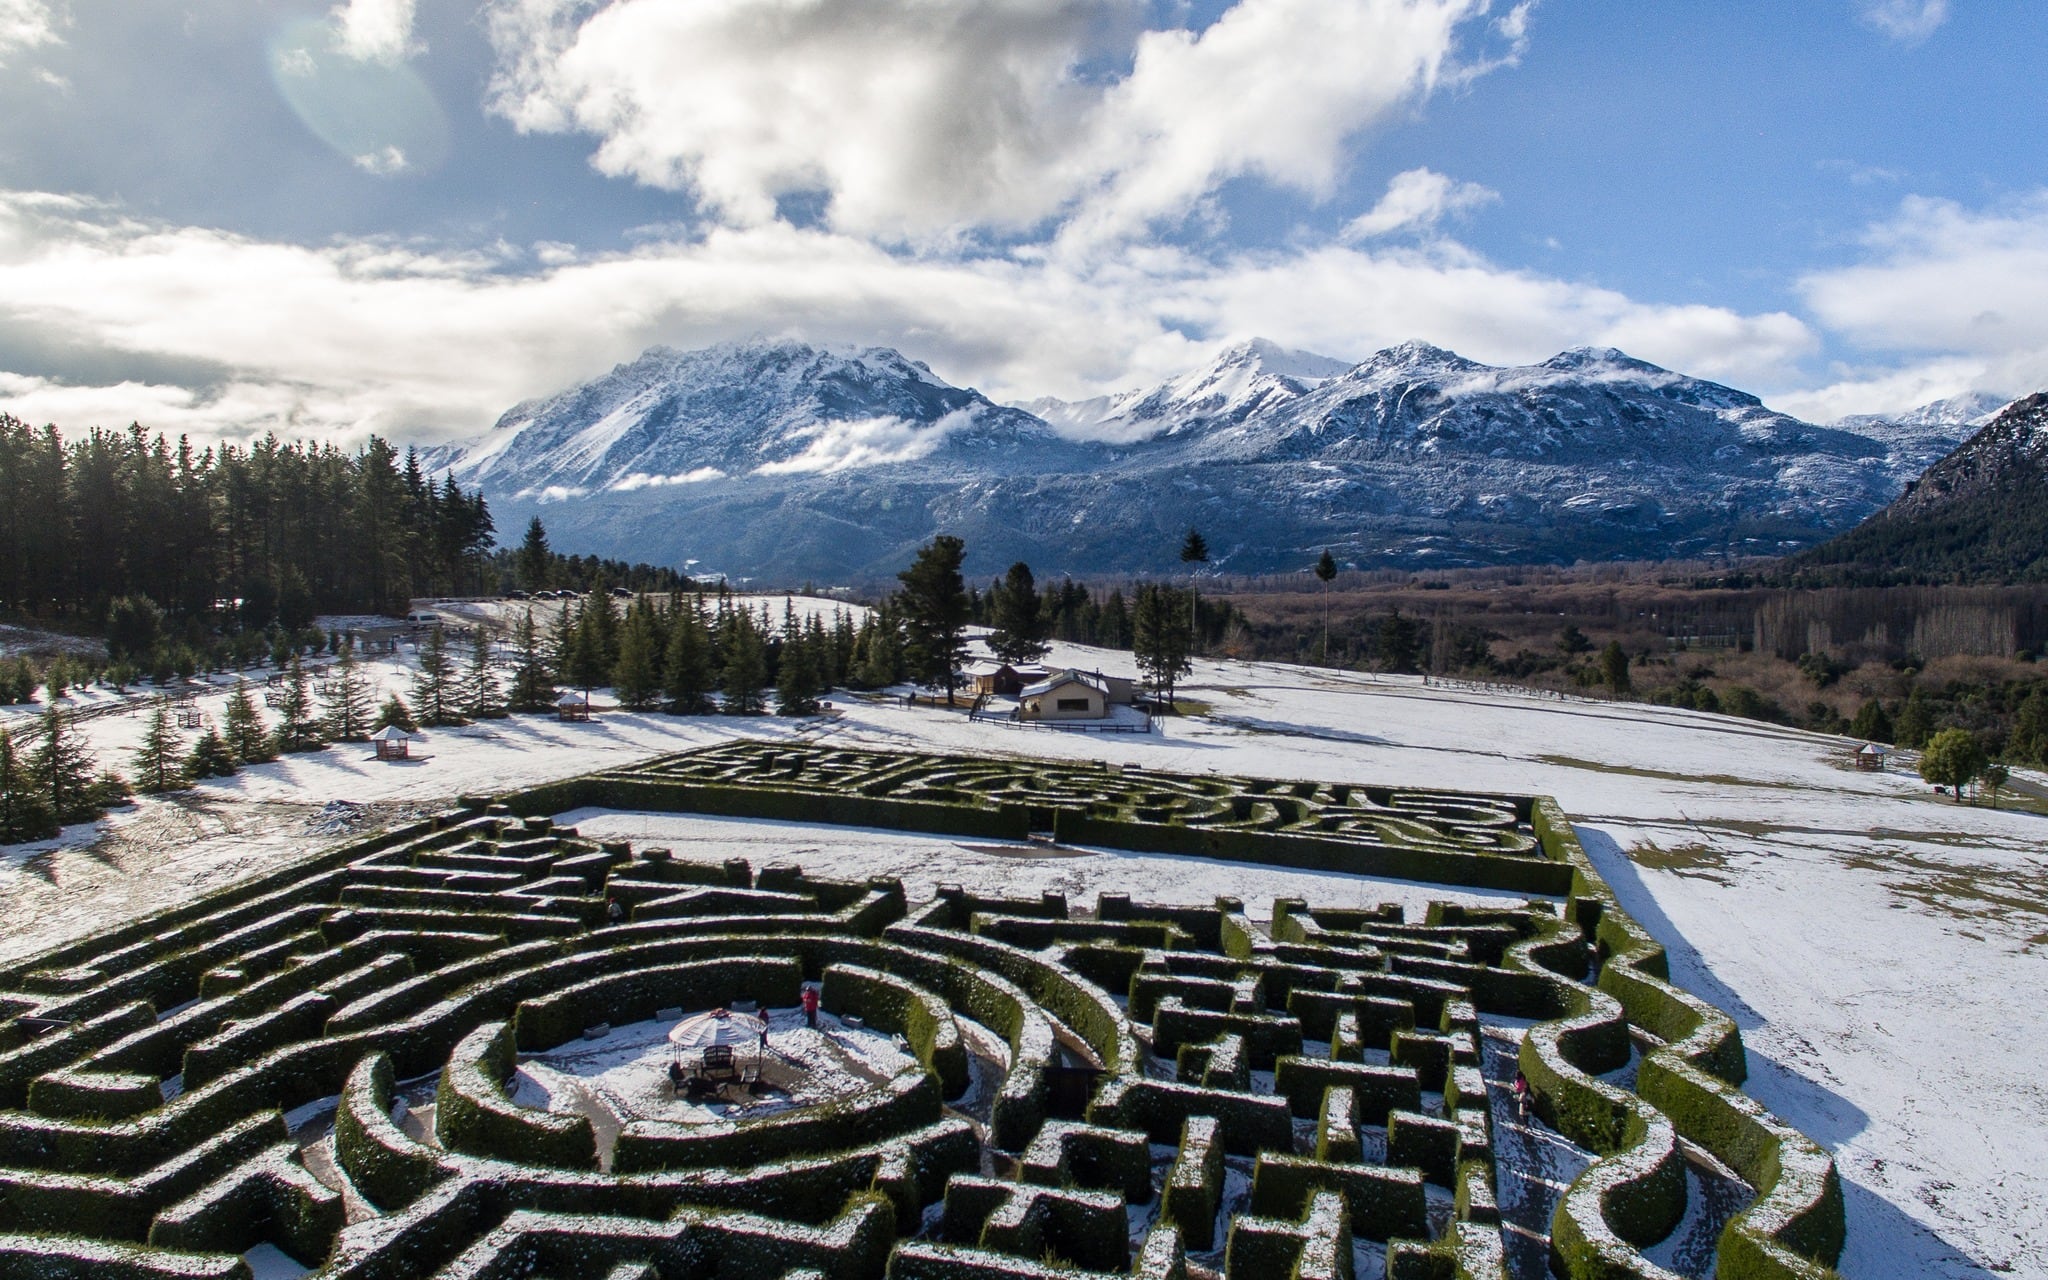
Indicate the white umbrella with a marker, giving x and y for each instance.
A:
(721, 1026)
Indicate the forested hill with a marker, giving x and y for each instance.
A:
(1978, 515)
(290, 529)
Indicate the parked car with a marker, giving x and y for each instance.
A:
(423, 618)
(517, 595)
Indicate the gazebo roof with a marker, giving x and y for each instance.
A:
(572, 700)
(390, 733)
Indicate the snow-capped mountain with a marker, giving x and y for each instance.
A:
(675, 418)
(1245, 379)
(784, 460)
(1918, 438)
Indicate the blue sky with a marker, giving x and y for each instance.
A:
(230, 216)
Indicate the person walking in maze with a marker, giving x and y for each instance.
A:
(1521, 1096)
(810, 1002)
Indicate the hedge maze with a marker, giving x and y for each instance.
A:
(323, 1061)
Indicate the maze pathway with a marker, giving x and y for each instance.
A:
(1097, 1088)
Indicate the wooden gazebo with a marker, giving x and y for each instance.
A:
(393, 743)
(573, 706)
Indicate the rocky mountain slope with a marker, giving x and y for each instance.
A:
(777, 459)
(1979, 514)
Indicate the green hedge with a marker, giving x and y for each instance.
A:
(1194, 1185)
(386, 1165)
(892, 1005)
(473, 1114)
(1383, 1202)
(270, 1198)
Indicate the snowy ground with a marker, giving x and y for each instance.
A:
(1883, 950)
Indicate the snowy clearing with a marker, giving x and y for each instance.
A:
(1881, 948)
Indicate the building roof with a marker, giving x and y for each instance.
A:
(1059, 678)
(573, 700)
(390, 733)
(1871, 749)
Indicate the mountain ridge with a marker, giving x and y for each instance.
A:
(777, 457)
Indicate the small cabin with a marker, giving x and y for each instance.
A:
(573, 706)
(1871, 758)
(393, 743)
(999, 680)
(1066, 695)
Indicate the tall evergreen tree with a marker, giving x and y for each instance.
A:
(1113, 624)
(1915, 723)
(687, 676)
(159, 765)
(1326, 569)
(24, 813)
(746, 665)
(244, 728)
(1161, 638)
(797, 685)
(533, 684)
(935, 607)
(482, 699)
(1614, 668)
(297, 729)
(1872, 723)
(349, 702)
(433, 686)
(638, 675)
(1019, 634)
(63, 768)
(561, 646)
(535, 557)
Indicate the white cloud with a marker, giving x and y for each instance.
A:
(868, 442)
(27, 24)
(383, 162)
(375, 30)
(642, 480)
(1949, 287)
(1906, 21)
(342, 339)
(924, 118)
(1417, 200)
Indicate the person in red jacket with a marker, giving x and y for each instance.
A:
(810, 1002)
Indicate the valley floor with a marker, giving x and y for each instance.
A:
(1882, 949)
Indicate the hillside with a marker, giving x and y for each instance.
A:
(785, 461)
(1978, 515)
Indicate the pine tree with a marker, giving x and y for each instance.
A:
(746, 665)
(481, 697)
(158, 765)
(433, 688)
(2028, 740)
(1326, 570)
(638, 675)
(24, 814)
(244, 731)
(1614, 668)
(1871, 724)
(63, 770)
(797, 686)
(1915, 723)
(394, 712)
(533, 686)
(349, 701)
(211, 757)
(935, 607)
(535, 558)
(562, 639)
(687, 678)
(1019, 634)
(1113, 624)
(587, 666)
(1161, 639)
(297, 729)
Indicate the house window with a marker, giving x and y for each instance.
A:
(1072, 704)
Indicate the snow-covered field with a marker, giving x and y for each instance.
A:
(1884, 951)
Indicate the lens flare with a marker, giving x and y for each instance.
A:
(380, 115)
